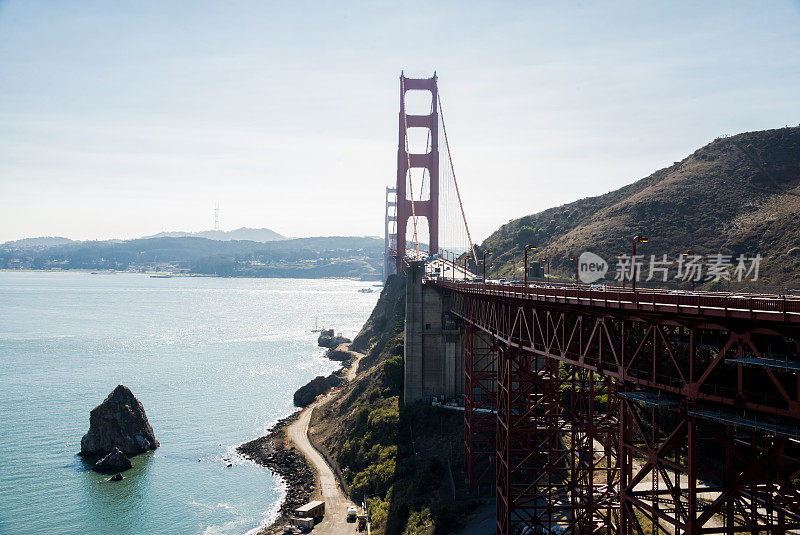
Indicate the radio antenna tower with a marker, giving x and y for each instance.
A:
(216, 216)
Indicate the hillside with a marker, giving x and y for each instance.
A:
(36, 243)
(244, 233)
(333, 256)
(737, 195)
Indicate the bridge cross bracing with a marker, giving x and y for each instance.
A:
(645, 412)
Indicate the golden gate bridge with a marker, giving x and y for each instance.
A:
(613, 410)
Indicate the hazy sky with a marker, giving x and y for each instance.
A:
(121, 119)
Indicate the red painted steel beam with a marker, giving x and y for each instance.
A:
(690, 445)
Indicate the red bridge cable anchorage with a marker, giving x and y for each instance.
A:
(455, 182)
(408, 163)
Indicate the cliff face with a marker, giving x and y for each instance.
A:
(406, 459)
(118, 422)
(383, 325)
(736, 195)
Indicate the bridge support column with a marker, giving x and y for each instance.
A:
(480, 394)
(517, 458)
(557, 446)
(432, 342)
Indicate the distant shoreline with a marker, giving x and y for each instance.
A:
(176, 275)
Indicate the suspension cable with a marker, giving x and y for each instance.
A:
(453, 171)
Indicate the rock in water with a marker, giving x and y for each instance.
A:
(116, 461)
(306, 394)
(330, 340)
(118, 477)
(118, 422)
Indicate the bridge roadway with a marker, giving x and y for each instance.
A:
(708, 304)
(699, 431)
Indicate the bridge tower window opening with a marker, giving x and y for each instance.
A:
(422, 230)
(419, 140)
(421, 185)
(418, 101)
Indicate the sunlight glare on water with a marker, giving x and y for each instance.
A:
(213, 361)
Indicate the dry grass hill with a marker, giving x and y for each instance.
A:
(737, 195)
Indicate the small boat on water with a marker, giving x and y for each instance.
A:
(316, 329)
(161, 276)
(366, 290)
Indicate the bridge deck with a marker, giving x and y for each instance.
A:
(760, 307)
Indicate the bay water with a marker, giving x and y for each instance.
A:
(214, 362)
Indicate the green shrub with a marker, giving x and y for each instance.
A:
(392, 374)
(419, 523)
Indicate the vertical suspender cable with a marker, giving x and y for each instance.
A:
(455, 182)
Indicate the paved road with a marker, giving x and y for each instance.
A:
(335, 521)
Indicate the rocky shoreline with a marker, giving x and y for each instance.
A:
(274, 452)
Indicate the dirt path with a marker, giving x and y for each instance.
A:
(335, 521)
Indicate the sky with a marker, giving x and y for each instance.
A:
(126, 118)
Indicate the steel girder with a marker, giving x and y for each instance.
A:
(747, 366)
(682, 474)
(480, 398)
(557, 446)
(692, 393)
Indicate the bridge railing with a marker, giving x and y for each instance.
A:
(753, 306)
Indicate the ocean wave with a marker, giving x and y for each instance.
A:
(271, 515)
(228, 527)
(211, 507)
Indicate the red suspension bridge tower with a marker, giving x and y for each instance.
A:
(407, 206)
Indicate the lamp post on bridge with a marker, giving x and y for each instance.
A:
(636, 239)
(466, 257)
(546, 261)
(446, 260)
(575, 258)
(527, 248)
(690, 253)
(484, 265)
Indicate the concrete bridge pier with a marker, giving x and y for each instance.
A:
(433, 343)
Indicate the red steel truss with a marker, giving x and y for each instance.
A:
(687, 474)
(557, 445)
(630, 419)
(480, 397)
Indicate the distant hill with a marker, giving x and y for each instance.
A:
(736, 195)
(334, 256)
(36, 243)
(244, 233)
